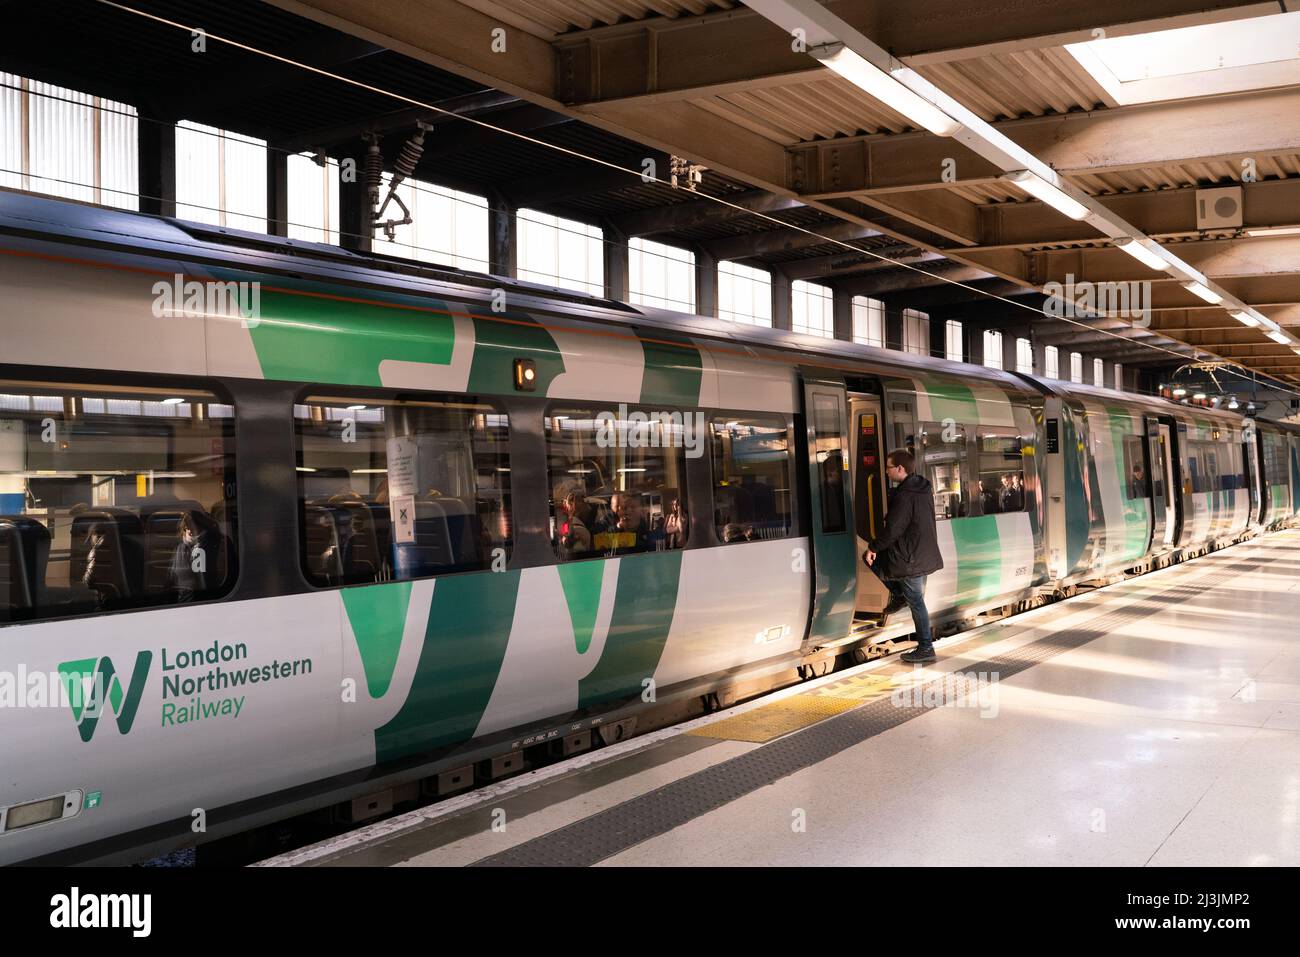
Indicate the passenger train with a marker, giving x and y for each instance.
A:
(360, 529)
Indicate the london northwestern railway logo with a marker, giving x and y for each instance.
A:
(91, 683)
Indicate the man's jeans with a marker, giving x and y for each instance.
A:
(912, 591)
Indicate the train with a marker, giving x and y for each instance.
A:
(292, 529)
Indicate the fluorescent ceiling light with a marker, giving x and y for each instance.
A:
(864, 74)
(1244, 317)
(1280, 337)
(1053, 196)
(1199, 397)
(1180, 392)
(1142, 253)
(1274, 231)
(1204, 292)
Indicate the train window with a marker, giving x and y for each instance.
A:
(828, 447)
(395, 488)
(618, 480)
(113, 497)
(999, 472)
(942, 459)
(1275, 465)
(1137, 484)
(751, 477)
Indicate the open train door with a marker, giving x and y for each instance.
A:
(1162, 516)
(834, 558)
(869, 494)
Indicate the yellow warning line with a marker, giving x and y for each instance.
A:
(780, 717)
(858, 688)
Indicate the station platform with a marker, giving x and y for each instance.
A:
(1152, 722)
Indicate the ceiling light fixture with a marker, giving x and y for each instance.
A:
(1204, 292)
(1049, 193)
(1274, 231)
(862, 73)
(1142, 253)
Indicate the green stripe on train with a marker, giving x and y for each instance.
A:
(951, 400)
(499, 341)
(581, 582)
(464, 645)
(311, 337)
(378, 618)
(979, 558)
(673, 369)
(645, 600)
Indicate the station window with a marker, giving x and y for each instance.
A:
(812, 309)
(751, 477)
(113, 497)
(618, 480)
(220, 177)
(1024, 356)
(1051, 362)
(560, 252)
(1098, 373)
(661, 276)
(992, 349)
(744, 294)
(1076, 367)
(955, 342)
(869, 321)
(916, 332)
(400, 488)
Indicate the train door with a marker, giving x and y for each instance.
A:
(1261, 469)
(1250, 456)
(867, 474)
(1164, 446)
(833, 557)
(1185, 478)
(1161, 519)
(1295, 474)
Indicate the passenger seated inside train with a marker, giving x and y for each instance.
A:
(627, 528)
(571, 512)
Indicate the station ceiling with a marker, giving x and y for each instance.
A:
(790, 143)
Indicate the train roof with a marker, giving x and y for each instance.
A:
(123, 231)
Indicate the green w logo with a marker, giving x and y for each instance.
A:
(92, 681)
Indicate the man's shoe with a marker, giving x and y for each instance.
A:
(895, 605)
(918, 656)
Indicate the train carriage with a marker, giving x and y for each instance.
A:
(398, 524)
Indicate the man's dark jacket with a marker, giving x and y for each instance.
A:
(910, 544)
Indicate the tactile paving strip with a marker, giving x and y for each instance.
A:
(625, 825)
